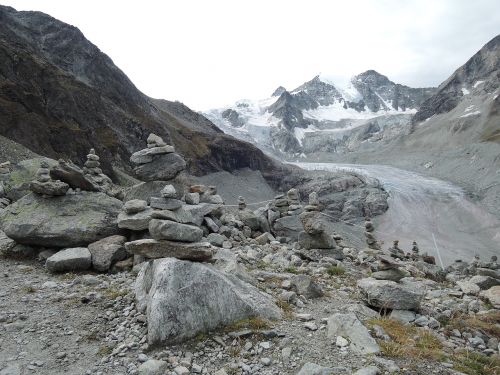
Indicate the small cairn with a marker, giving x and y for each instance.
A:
(313, 203)
(242, 204)
(370, 238)
(294, 206)
(396, 251)
(5, 168)
(208, 194)
(135, 215)
(281, 204)
(167, 201)
(93, 172)
(44, 185)
(415, 251)
(315, 235)
(157, 162)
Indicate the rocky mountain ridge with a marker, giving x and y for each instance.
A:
(321, 108)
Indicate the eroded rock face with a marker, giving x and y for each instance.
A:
(65, 221)
(184, 298)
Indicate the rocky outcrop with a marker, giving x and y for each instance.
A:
(169, 288)
(385, 294)
(63, 221)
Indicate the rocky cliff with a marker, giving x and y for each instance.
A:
(60, 96)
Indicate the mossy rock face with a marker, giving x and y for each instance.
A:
(16, 183)
(65, 221)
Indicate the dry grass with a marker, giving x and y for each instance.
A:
(489, 323)
(113, 293)
(473, 363)
(335, 271)
(29, 289)
(287, 309)
(256, 324)
(408, 341)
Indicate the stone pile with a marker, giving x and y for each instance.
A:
(294, 206)
(370, 238)
(135, 215)
(5, 168)
(314, 235)
(395, 251)
(157, 162)
(388, 269)
(208, 194)
(93, 172)
(44, 185)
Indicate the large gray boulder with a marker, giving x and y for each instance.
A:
(65, 221)
(349, 326)
(288, 226)
(173, 231)
(184, 298)
(386, 294)
(107, 252)
(74, 259)
(138, 221)
(162, 167)
(149, 248)
(317, 241)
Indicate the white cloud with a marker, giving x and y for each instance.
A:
(211, 53)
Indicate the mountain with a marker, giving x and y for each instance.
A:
(317, 115)
(60, 96)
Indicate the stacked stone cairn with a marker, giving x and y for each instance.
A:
(208, 194)
(4, 171)
(294, 206)
(242, 204)
(92, 170)
(388, 269)
(396, 251)
(370, 238)
(44, 185)
(157, 162)
(415, 251)
(315, 236)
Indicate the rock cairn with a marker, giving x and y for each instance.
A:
(294, 206)
(5, 168)
(157, 162)
(415, 251)
(313, 202)
(315, 235)
(45, 186)
(208, 194)
(388, 269)
(370, 238)
(396, 251)
(242, 204)
(92, 170)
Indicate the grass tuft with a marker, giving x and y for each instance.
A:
(286, 308)
(473, 363)
(335, 271)
(250, 323)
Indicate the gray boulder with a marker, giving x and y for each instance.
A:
(249, 219)
(107, 251)
(65, 221)
(388, 294)
(161, 203)
(394, 274)
(216, 239)
(314, 369)
(74, 259)
(170, 230)
(184, 298)
(153, 367)
(349, 326)
(138, 221)
(317, 241)
(6, 244)
(305, 286)
(370, 370)
(134, 206)
(484, 282)
(288, 226)
(149, 248)
(163, 167)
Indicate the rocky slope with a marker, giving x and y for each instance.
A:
(60, 96)
(321, 115)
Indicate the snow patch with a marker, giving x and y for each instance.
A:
(471, 114)
(465, 91)
(478, 83)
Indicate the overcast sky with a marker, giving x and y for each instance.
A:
(210, 53)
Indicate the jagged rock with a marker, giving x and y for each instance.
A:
(348, 325)
(65, 221)
(216, 239)
(484, 282)
(314, 369)
(192, 198)
(73, 259)
(386, 294)
(265, 238)
(186, 298)
(305, 286)
(134, 206)
(198, 251)
(169, 192)
(288, 226)
(196, 213)
(72, 175)
(165, 203)
(492, 295)
(138, 221)
(49, 188)
(211, 224)
(170, 230)
(249, 218)
(107, 251)
(163, 167)
(317, 241)
(468, 288)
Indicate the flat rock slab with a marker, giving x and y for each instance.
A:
(173, 231)
(138, 221)
(74, 259)
(386, 294)
(65, 221)
(349, 326)
(198, 251)
(163, 167)
(184, 298)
